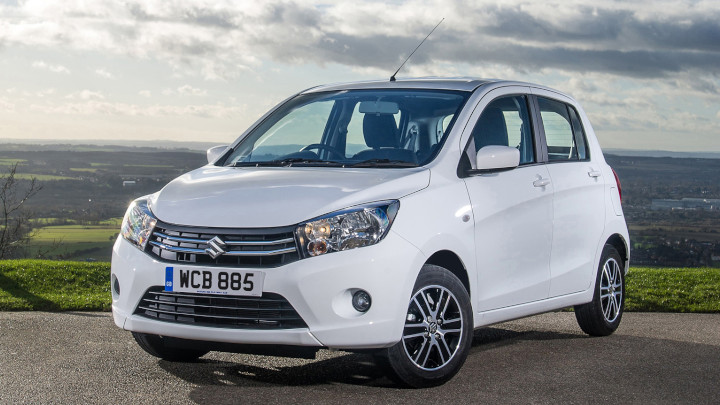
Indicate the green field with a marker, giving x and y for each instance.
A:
(75, 233)
(78, 242)
(11, 161)
(149, 166)
(41, 177)
(57, 286)
(84, 169)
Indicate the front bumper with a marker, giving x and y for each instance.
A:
(318, 288)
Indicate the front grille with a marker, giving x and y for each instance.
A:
(271, 311)
(223, 246)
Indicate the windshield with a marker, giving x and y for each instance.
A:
(361, 128)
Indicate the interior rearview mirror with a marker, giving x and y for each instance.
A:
(497, 157)
(215, 152)
(378, 107)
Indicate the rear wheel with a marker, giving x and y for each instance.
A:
(438, 330)
(158, 347)
(602, 316)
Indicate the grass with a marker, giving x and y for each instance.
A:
(44, 285)
(673, 289)
(84, 169)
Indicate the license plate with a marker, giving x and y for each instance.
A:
(214, 281)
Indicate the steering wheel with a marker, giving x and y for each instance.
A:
(321, 146)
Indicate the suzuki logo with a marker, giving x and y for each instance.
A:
(216, 247)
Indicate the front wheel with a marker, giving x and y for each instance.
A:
(602, 315)
(158, 347)
(437, 335)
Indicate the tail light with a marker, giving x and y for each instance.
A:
(617, 180)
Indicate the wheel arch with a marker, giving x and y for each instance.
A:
(619, 243)
(452, 262)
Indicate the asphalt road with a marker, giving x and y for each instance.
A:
(652, 358)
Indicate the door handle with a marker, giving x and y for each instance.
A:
(541, 182)
(594, 173)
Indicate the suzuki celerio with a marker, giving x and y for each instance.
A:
(391, 216)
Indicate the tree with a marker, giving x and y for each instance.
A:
(14, 219)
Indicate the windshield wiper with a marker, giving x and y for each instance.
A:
(384, 163)
(288, 162)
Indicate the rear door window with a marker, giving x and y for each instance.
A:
(558, 130)
(564, 133)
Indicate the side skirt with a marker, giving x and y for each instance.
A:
(532, 308)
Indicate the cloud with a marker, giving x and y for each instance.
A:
(97, 106)
(145, 93)
(104, 74)
(185, 90)
(6, 105)
(52, 68)
(85, 95)
(221, 40)
(188, 90)
(45, 93)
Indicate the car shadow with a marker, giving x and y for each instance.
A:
(219, 380)
(349, 368)
(35, 302)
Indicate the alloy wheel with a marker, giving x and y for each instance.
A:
(611, 290)
(433, 328)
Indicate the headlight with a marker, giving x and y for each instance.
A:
(138, 223)
(348, 229)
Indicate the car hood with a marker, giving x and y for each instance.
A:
(276, 196)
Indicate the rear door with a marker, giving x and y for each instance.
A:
(578, 202)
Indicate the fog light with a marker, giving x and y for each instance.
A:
(361, 301)
(115, 287)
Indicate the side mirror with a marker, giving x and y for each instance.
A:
(497, 157)
(215, 152)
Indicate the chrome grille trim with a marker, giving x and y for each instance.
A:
(228, 253)
(177, 239)
(176, 249)
(270, 311)
(223, 247)
(230, 242)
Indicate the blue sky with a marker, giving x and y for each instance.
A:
(647, 72)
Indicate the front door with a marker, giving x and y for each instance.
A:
(512, 209)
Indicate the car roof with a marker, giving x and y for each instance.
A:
(468, 84)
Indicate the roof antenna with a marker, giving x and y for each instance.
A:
(392, 78)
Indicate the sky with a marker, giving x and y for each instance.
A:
(647, 72)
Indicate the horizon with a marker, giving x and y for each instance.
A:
(199, 146)
(646, 73)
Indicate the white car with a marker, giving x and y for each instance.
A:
(389, 216)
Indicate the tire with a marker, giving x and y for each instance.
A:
(601, 316)
(156, 346)
(438, 331)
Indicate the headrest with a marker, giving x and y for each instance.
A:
(491, 129)
(380, 131)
